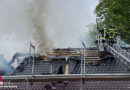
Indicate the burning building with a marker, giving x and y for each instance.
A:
(67, 68)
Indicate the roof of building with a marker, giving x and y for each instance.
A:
(43, 67)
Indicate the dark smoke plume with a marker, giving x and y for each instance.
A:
(37, 15)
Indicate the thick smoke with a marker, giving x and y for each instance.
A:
(22, 22)
(36, 16)
(47, 23)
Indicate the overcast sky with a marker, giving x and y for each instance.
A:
(68, 20)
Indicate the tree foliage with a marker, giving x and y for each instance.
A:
(117, 13)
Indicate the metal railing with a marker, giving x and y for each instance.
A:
(114, 75)
(115, 50)
(120, 54)
(32, 47)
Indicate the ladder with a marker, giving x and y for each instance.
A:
(115, 50)
(120, 54)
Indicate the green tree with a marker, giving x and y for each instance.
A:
(117, 13)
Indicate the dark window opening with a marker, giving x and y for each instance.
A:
(60, 71)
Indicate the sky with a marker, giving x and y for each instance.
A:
(68, 20)
(63, 23)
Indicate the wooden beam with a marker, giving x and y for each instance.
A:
(67, 69)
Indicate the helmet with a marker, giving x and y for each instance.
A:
(112, 27)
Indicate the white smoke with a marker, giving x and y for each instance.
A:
(14, 35)
(47, 23)
(4, 65)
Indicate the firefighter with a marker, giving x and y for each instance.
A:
(112, 35)
(104, 35)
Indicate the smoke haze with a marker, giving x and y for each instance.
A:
(47, 23)
(67, 20)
